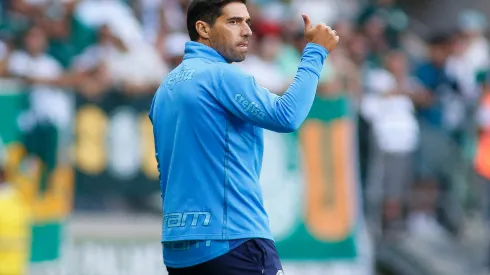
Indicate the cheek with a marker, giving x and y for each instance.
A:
(227, 41)
(221, 37)
(227, 37)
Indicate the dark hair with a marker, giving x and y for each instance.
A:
(207, 11)
(439, 39)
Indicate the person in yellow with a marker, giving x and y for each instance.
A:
(14, 228)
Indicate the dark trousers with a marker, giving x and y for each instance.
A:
(256, 256)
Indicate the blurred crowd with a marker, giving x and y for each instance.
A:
(422, 102)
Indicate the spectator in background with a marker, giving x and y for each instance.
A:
(462, 71)
(442, 115)
(91, 67)
(473, 26)
(358, 49)
(344, 27)
(133, 68)
(388, 14)
(471, 53)
(68, 35)
(374, 31)
(389, 109)
(17, 16)
(48, 103)
(33, 9)
(443, 108)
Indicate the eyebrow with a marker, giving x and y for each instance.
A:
(238, 18)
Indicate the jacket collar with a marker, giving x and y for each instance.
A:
(199, 50)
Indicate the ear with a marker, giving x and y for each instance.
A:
(203, 29)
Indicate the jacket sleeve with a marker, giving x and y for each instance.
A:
(243, 97)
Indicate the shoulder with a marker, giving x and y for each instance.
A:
(231, 72)
(425, 72)
(18, 56)
(49, 64)
(18, 62)
(51, 61)
(424, 68)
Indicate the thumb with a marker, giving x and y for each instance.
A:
(307, 21)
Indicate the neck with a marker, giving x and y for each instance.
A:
(207, 42)
(438, 63)
(204, 41)
(34, 54)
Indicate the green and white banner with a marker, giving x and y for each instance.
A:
(310, 185)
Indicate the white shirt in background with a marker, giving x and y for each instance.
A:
(141, 64)
(393, 118)
(47, 102)
(117, 15)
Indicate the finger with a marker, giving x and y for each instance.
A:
(307, 21)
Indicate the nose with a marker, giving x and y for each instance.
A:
(246, 31)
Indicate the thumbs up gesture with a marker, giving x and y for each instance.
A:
(320, 34)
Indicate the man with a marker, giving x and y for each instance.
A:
(391, 113)
(443, 118)
(441, 107)
(207, 118)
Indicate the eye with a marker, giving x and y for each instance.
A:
(233, 22)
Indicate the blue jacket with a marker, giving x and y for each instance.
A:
(208, 117)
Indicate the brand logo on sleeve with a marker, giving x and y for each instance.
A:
(249, 106)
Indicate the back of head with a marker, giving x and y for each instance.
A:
(205, 10)
(439, 48)
(439, 39)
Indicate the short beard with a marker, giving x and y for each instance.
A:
(229, 57)
(236, 59)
